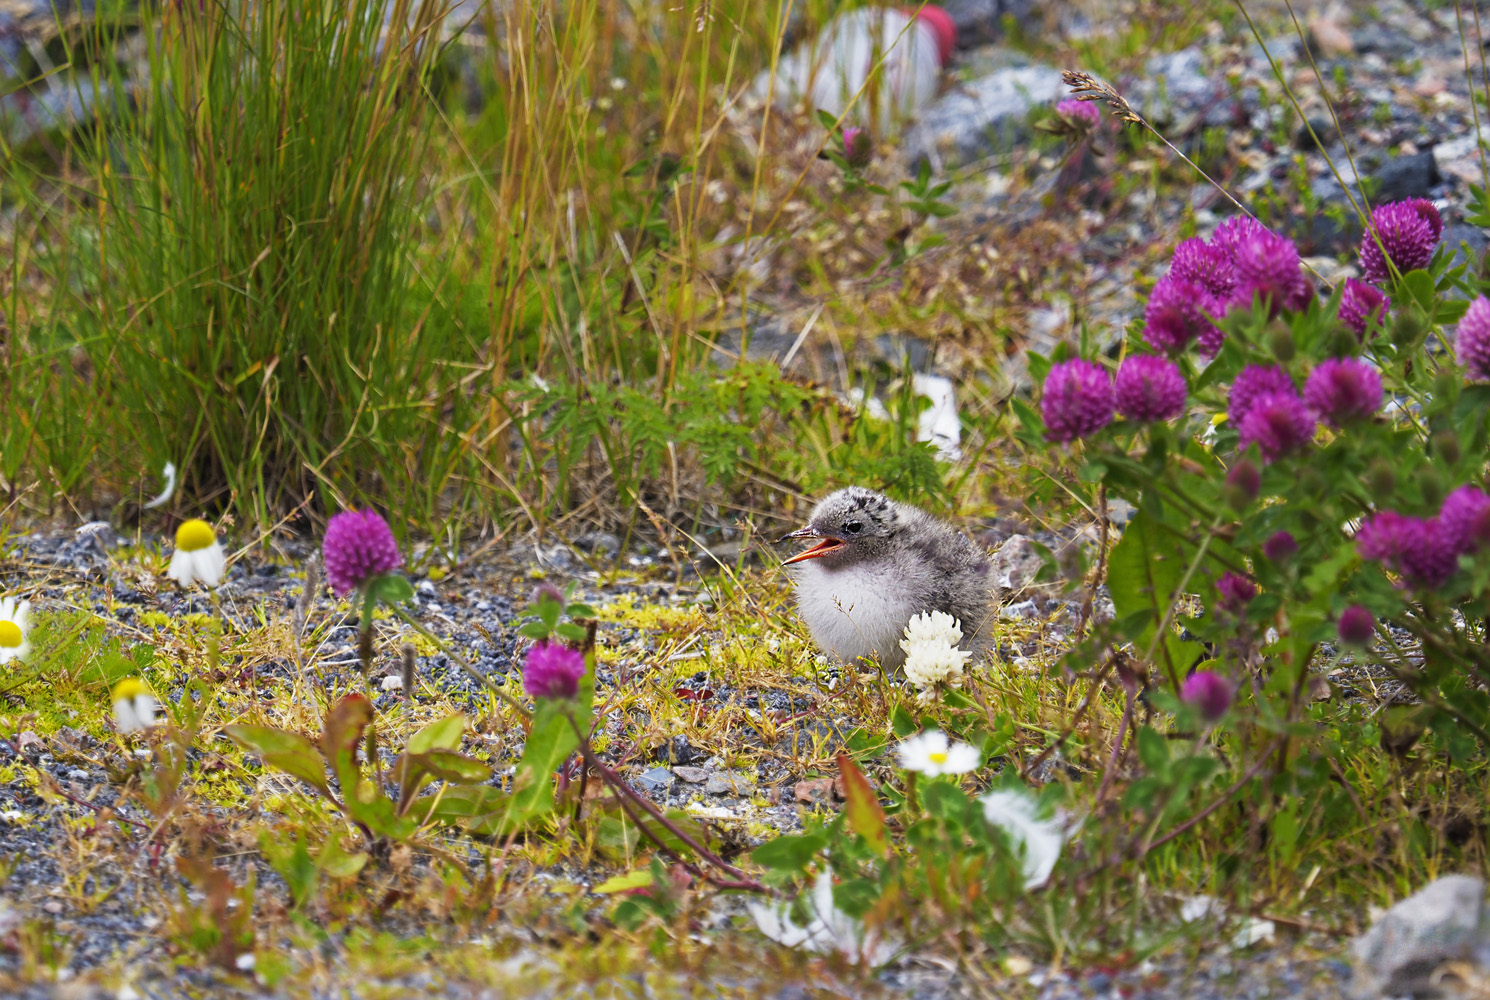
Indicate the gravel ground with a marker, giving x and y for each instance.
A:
(477, 610)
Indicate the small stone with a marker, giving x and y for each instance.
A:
(692, 775)
(426, 587)
(78, 774)
(815, 791)
(52, 906)
(1445, 921)
(29, 739)
(656, 781)
(1328, 34)
(680, 751)
(731, 783)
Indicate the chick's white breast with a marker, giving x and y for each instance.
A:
(854, 611)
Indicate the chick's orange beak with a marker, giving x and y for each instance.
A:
(824, 546)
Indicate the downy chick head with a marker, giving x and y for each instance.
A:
(849, 525)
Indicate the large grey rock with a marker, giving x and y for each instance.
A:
(984, 117)
(1445, 921)
(1402, 177)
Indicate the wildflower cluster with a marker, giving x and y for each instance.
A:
(1309, 462)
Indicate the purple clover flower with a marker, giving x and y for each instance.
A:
(358, 546)
(1343, 390)
(1176, 314)
(1418, 548)
(1465, 517)
(1236, 592)
(1203, 264)
(1209, 693)
(1081, 113)
(1363, 308)
(552, 670)
(1408, 231)
(1280, 547)
(1235, 229)
(1077, 401)
(1251, 384)
(1267, 265)
(858, 147)
(1149, 388)
(1473, 339)
(1357, 626)
(1243, 483)
(1277, 423)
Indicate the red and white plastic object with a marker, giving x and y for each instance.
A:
(831, 72)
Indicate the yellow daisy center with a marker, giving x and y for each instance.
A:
(194, 534)
(10, 634)
(938, 758)
(127, 689)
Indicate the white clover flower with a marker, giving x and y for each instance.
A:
(830, 929)
(931, 653)
(134, 706)
(1017, 813)
(932, 754)
(198, 556)
(15, 622)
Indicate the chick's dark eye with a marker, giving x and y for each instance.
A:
(854, 527)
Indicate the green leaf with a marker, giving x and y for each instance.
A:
(442, 734)
(865, 816)
(391, 588)
(290, 752)
(1153, 750)
(533, 630)
(789, 854)
(1144, 573)
(902, 723)
(581, 611)
(336, 862)
(569, 632)
(639, 879)
(344, 725)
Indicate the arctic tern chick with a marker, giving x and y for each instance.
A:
(876, 565)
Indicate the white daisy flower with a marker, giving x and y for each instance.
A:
(198, 556)
(15, 622)
(932, 754)
(134, 706)
(931, 653)
(1016, 812)
(830, 929)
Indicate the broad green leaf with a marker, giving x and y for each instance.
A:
(442, 734)
(344, 725)
(1143, 575)
(391, 588)
(336, 862)
(789, 853)
(1153, 750)
(639, 879)
(290, 752)
(902, 723)
(865, 816)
